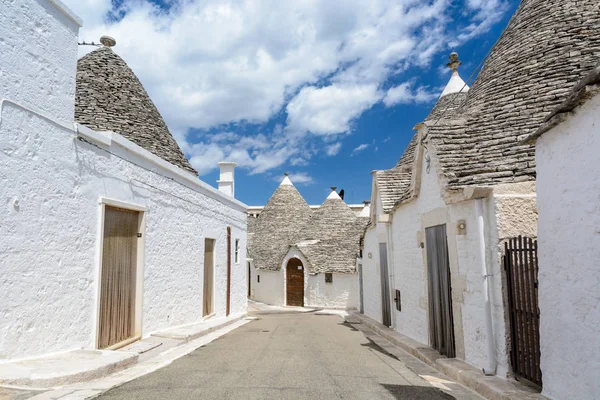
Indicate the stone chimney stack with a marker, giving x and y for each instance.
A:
(226, 179)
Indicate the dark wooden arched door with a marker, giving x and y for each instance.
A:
(295, 283)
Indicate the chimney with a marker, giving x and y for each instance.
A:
(226, 179)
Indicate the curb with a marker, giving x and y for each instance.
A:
(490, 387)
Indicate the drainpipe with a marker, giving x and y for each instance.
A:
(490, 369)
(392, 269)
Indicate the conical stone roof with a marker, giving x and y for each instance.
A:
(394, 185)
(110, 97)
(547, 47)
(284, 221)
(337, 231)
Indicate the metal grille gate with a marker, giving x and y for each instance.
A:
(521, 266)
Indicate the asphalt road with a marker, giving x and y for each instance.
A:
(291, 355)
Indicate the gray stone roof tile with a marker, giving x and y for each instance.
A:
(547, 47)
(110, 97)
(328, 237)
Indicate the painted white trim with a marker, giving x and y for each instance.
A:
(67, 11)
(122, 204)
(140, 263)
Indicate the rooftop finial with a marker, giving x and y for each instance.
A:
(286, 174)
(333, 188)
(454, 62)
(108, 41)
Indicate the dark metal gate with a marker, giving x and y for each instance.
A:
(521, 266)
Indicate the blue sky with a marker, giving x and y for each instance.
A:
(325, 90)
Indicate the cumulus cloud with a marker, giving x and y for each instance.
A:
(329, 110)
(211, 64)
(405, 93)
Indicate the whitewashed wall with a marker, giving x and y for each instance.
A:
(372, 274)
(568, 189)
(39, 56)
(409, 269)
(270, 289)
(51, 184)
(343, 293)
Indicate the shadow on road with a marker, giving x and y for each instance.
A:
(417, 392)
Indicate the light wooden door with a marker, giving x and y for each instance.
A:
(118, 277)
(295, 283)
(209, 273)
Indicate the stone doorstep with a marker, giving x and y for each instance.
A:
(490, 387)
(85, 365)
(190, 332)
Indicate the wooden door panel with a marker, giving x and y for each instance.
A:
(295, 283)
(118, 277)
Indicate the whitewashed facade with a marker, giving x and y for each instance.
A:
(57, 178)
(469, 168)
(568, 190)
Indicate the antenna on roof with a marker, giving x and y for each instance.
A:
(108, 41)
(84, 43)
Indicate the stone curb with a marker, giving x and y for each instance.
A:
(490, 387)
(185, 338)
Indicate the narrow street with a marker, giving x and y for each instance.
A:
(294, 355)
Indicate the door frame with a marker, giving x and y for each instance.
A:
(212, 237)
(451, 328)
(139, 284)
(294, 253)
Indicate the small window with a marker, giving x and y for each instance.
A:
(328, 277)
(237, 251)
(258, 278)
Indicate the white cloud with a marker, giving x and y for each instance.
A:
(329, 110)
(406, 94)
(297, 178)
(360, 148)
(333, 149)
(213, 62)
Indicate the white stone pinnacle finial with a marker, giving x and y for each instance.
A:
(333, 194)
(286, 180)
(456, 83)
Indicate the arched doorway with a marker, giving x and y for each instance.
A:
(295, 283)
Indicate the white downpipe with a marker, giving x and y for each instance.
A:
(391, 270)
(490, 369)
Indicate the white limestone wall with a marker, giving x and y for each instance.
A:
(50, 185)
(39, 56)
(568, 190)
(342, 293)
(371, 276)
(371, 267)
(270, 289)
(408, 232)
